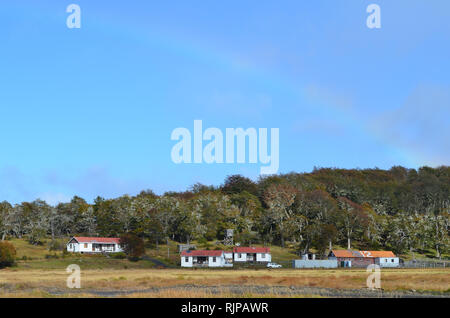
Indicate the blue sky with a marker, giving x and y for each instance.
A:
(90, 111)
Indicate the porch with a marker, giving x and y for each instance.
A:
(98, 247)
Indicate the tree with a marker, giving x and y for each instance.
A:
(6, 214)
(352, 218)
(37, 216)
(279, 199)
(236, 184)
(439, 233)
(7, 254)
(132, 245)
(327, 233)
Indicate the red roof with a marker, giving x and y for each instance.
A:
(81, 239)
(378, 254)
(349, 253)
(201, 253)
(251, 250)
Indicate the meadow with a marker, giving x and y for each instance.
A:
(219, 283)
(42, 273)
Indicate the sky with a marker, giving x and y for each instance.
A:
(90, 111)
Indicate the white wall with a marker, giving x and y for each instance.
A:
(72, 247)
(259, 258)
(220, 261)
(185, 263)
(267, 257)
(80, 247)
(388, 261)
(243, 257)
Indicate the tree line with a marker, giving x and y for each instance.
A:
(399, 209)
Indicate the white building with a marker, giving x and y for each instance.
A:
(252, 254)
(383, 258)
(93, 245)
(204, 259)
(228, 257)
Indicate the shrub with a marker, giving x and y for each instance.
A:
(56, 246)
(119, 255)
(202, 241)
(7, 254)
(132, 245)
(66, 253)
(49, 256)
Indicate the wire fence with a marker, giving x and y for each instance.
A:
(425, 264)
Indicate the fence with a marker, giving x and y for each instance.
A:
(314, 264)
(425, 264)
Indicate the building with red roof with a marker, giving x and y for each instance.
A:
(252, 254)
(218, 258)
(350, 258)
(204, 258)
(82, 244)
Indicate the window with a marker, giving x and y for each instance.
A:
(240, 255)
(385, 260)
(186, 259)
(214, 259)
(85, 245)
(263, 255)
(392, 260)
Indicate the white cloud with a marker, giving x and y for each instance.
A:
(55, 198)
(421, 126)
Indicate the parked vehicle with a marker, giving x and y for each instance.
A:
(273, 265)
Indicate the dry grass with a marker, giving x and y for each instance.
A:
(18, 280)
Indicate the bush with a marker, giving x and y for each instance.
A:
(49, 256)
(7, 254)
(202, 241)
(56, 246)
(132, 245)
(119, 255)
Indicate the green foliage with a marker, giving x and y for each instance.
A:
(404, 210)
(132, 245)
(119, 255)
(55, 245)
(7, 254)
(51, 256)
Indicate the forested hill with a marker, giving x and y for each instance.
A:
(399, 209)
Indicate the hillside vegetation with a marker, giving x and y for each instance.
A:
(404, 210)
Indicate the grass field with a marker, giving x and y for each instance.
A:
(41, 273)
(207, 282)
